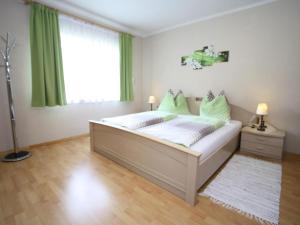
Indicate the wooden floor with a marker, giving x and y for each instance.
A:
(67, 184)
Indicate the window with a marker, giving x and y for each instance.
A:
(91, 61)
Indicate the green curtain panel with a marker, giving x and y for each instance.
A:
(126, 67)
(48, 88)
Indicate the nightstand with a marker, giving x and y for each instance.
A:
(267, 143)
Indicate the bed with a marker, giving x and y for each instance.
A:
(176, 168)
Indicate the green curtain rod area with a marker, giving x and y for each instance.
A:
(29, 2)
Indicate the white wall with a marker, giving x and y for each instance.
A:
(263, 65)
(36, 125)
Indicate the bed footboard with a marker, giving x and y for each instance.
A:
(168, 165)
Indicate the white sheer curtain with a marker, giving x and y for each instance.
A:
(91, 61)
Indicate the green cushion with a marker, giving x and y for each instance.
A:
(217, 108)
(177, 106)
(167, 104)
(181, 105)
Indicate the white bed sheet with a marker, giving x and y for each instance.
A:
(211, 143)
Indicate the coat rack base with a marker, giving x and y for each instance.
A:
(14, 157)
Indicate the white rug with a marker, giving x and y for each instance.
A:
(248, 186)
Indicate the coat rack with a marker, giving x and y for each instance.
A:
(15, 155)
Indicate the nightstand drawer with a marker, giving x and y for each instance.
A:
(273, 141)
(261, 149)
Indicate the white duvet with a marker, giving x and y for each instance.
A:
(138, 120)
(183, 130)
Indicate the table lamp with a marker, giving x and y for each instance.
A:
(262, 110)
(151, 101)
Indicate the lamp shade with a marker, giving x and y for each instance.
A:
(262, 109)
(152, 99)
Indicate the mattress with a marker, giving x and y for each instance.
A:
(211, 143)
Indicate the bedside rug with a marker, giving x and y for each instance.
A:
(248, 186)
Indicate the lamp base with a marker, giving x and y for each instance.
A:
(261, 128)
(14, 157)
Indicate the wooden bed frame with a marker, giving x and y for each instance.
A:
(171, 166)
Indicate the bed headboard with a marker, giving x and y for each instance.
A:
(237, 113)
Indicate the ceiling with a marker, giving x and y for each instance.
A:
(147, 17)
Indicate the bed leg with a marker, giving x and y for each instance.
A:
(92, 143)
(191, 184)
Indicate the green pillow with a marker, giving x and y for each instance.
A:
(167, 104)
(181, 105)
(217, 108)
(177, 106)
